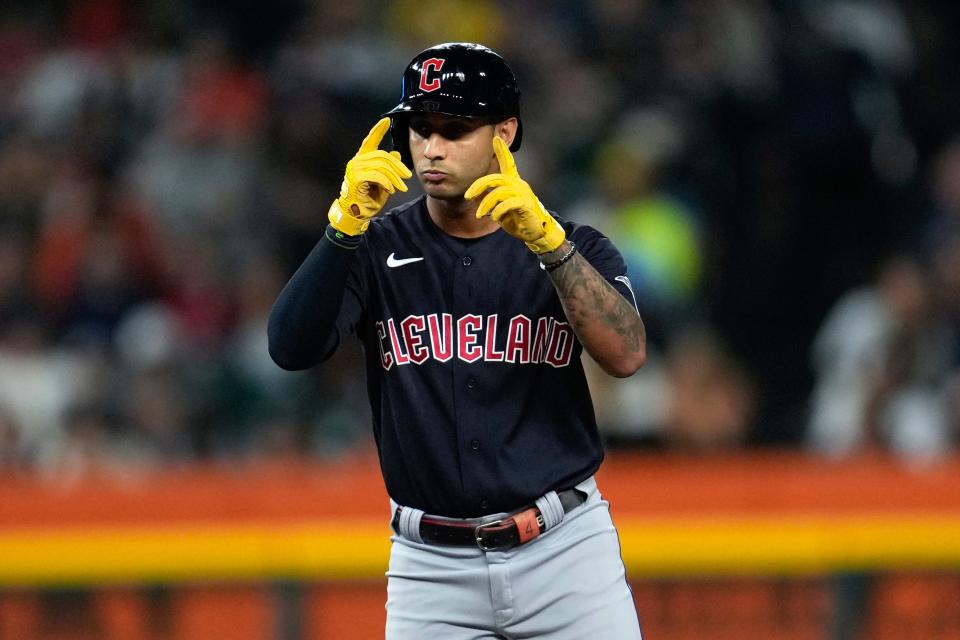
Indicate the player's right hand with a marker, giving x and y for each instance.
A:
(371, 176)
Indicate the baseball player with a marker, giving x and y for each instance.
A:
(474, 304)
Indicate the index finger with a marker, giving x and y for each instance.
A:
(375, 137)
(504, 157)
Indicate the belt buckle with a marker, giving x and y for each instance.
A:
(477, 530)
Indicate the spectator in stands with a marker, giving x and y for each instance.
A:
(13, 458)
(882, 357)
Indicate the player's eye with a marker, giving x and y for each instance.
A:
(455, 131)
(420, 128)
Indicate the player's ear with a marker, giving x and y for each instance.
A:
(506, 129)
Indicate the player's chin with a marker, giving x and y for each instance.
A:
(443, 190)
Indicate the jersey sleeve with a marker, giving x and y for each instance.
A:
(321, 301)
(352, 308)
(601, 253)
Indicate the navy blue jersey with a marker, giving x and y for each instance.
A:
(478, 395)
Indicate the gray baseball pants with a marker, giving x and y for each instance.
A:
(567, 584)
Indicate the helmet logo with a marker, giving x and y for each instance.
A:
(428, 84)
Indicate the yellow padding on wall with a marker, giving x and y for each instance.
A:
(335, 550)
(322, 550)
(789, 546)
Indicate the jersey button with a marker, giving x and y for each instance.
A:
(471, 383)
(484, 504)
(475, 444)
(467, 261)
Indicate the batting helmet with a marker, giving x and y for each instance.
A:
(456, 79)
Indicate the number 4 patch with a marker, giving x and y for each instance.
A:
(527, 524)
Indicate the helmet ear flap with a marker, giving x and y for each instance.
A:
(400, 135)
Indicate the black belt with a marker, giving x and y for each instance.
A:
(490, 535)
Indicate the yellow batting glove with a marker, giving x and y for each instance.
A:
(512, 204)
(372, 175)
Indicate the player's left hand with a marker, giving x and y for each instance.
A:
(512, 204)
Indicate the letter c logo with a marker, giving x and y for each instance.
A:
(426, 84)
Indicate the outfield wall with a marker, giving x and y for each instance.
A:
(766, 536)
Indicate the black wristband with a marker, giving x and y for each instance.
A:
(554, 265)
(341, 239)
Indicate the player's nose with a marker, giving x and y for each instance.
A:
(436, 147)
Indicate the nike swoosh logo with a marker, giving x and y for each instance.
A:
(394, 262)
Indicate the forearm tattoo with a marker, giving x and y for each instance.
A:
(588, 299)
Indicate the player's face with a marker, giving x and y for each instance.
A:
(450, 152)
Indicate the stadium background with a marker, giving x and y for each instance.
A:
(783, 178)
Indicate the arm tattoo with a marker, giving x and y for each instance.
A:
(588, 299)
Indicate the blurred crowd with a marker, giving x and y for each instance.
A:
(782, 177)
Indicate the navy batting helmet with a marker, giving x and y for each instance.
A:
(456, 79)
